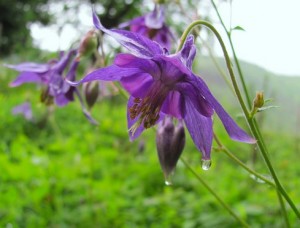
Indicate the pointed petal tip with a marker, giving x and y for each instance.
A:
(96, 20)
(71, 83)
(244, 139)
(12, 84)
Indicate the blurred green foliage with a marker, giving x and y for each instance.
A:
(68, 173)
(64, 172)
(15, 17)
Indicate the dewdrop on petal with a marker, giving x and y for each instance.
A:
(170, 141)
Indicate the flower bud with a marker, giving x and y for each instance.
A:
(91, 92)
(46, 98)
(258, 101)
(170, 141)
(88, 44)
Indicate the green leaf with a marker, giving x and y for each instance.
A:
(266, 108)
(238, 28)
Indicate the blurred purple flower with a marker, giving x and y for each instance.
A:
(24, 109)
(161, 84)
(152, 26)
(51, 74)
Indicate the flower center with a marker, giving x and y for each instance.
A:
(148, 108)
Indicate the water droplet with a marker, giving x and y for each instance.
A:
(205, 164)
(168, 181)
(258, 180)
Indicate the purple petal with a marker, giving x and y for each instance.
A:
(63, 62)
(188, 51)
(155, 19)
(61, 100)
(131, 122)
(110, 73)
(189, 91)
(137, 85)
(233, 130)
(135, 43)
(24, 109)
(29, 67)
(131, 61)
(173, 105)
(72, 71)
(200, 128)
(164, 37)
(26, 77)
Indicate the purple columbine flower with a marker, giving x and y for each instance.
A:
(161, 84)
(24, 109)
(51, 74)
(152, 26)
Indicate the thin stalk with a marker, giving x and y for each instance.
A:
(219, 68)
(242, 222)
(234, 158)
(284, 213)
(228, 33)
(250, 121)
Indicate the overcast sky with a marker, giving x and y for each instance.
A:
(271, 38)
(272, 33)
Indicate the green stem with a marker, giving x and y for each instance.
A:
(228, 33)
(234, 158)
(219, 68)
(283, 211)
(214, 194)
(250, 121)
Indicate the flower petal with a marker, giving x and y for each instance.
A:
(29, 67)
(188, 51)
(137, 85)
(233, 130)
(155, 19)
(61, 100)
(63, 62)
(173, 105)
(131, 122)
(189, 91)
(24, 109)
(135, 43)
(110, 73)
(200, 128)
(26, 77)
(131, 61)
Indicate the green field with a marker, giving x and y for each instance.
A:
(64, 172)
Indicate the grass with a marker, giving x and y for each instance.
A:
(68, 173)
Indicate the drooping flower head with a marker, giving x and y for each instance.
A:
(152, 25)
(52, 75)
(161, 84)
(24, 109)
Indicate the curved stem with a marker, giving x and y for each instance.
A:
(283, 211)
(214, 194)
(219, 68)
(250, 121)
(234, 158)
(228, 33)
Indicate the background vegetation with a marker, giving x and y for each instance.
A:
(64, 172)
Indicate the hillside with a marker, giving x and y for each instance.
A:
(283, 90)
